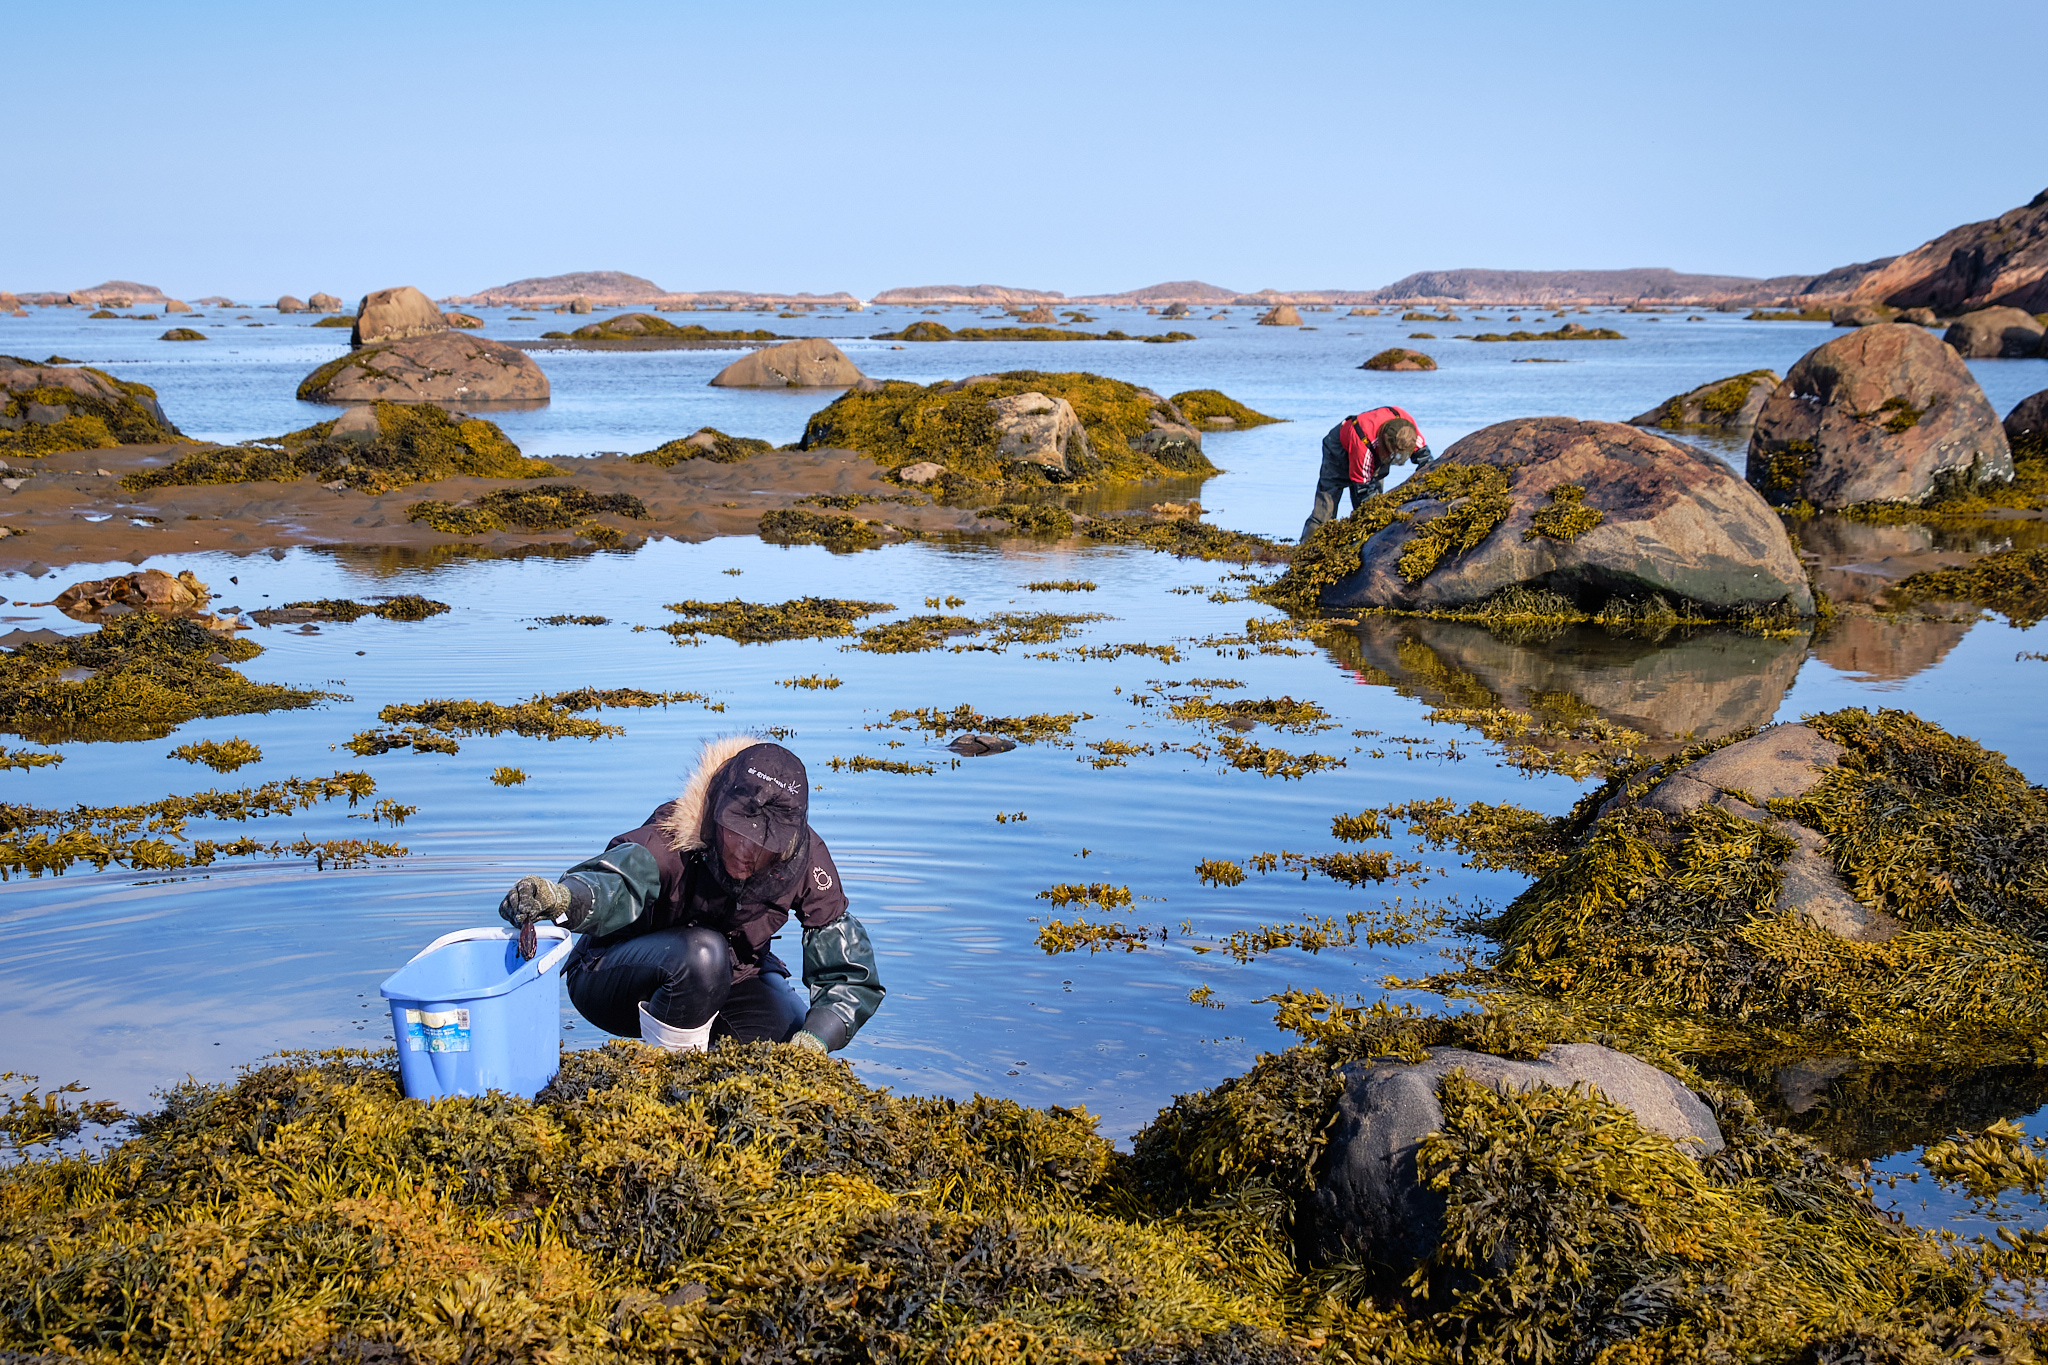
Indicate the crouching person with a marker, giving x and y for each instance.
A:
(675, 917)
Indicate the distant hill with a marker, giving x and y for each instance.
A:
(996, 295)
(2003, 260)
(603, 287)
(1177, 291)
(616, 289)
(1642, 285)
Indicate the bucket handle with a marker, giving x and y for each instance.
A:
(544, 964)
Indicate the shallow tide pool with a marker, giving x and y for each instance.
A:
(129, 981)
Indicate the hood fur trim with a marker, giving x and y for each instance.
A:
(685, 823)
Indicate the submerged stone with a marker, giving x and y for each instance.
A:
(814, 363)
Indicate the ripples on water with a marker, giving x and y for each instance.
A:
(128, 981)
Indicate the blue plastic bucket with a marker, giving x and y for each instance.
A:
(470, 1014)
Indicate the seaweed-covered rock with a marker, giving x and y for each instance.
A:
(441, 367)
(394, 315)
(1719, 405)
(1399, 358)
(1995, 334)
(813, 363)
(1884, 414)
(1781, 763)
(183, 334)
(1135, 433)
(1855, 315)
(1588, 510)
(323, 303)
(1039, 315)
(467, 322)
(1212, 408)
(287, 304)
(1370, 1208)
(49, 408)
(1036, 430)
(1281, 315)
(2026, 427)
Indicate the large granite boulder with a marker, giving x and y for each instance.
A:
(1995, 334)
(1884, 414)
(813, 363)
(1730, 404)
(440, 367)
(49, 408)
(394, 315)
(1033, 429)
(323, 303)
(288, 304)
(2026, 427)
(1281, 315)
(1370, 1208)
(1783, 761)
(1668, 520)
(176, 306)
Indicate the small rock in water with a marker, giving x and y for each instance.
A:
(979, 746)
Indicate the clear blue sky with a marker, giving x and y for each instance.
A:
(255, 149)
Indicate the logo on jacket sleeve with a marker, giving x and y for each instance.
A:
(821, 879)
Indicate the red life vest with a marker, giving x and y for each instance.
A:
(1357, 435)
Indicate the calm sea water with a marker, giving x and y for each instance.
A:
(130, 981)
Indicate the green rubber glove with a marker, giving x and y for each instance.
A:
(531, 900)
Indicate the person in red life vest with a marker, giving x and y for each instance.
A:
(1357, 454)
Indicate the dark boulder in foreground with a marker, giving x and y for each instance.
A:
(813, 363)
(1719, 405)
(1884, 414)
(1369, 1207)
(1588, 510)
(394, 315)
(2026, 427)
(1995, 334)
(441, 367)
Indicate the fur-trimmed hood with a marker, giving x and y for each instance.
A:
(684, 824)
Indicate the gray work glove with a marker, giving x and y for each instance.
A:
(531, 900)
(1422, 458)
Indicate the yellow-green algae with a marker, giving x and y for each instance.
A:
(223, 756)
(1565, 516)
(760, 1203)
(415, 443)
(902, 423)
(1202, 406)
(152, 834)
(430, 726)
(646, 326)
(802, 618)
(1568, 332)
(136, 677)
(404, 607)
(937, 331)
(545, 507)
(794, 526)
(2012, 582)
(723, 449)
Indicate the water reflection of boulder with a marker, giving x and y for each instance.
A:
(1867, 1110)
(1880, 650)
(1703, 685)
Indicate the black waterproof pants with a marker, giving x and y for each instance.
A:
(1331, 481)
(683, 976)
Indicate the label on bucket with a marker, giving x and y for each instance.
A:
(437, 1030)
